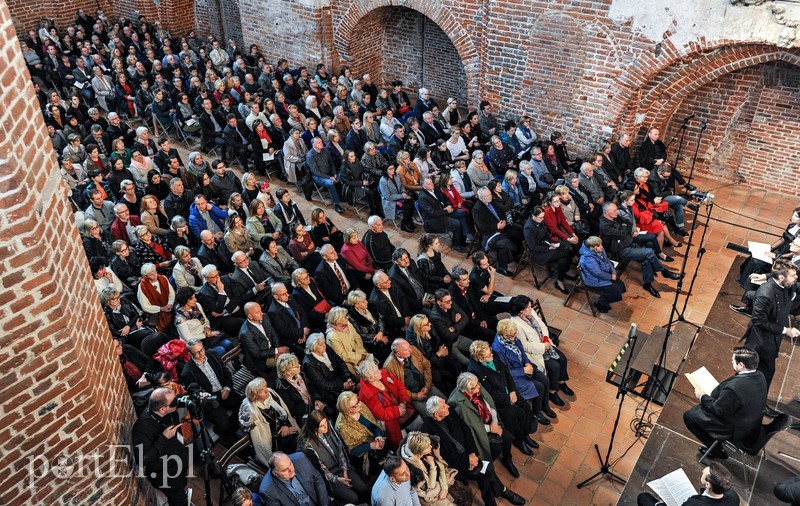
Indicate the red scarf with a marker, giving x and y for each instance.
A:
(483, 408)
(264, 135)
(158, 298)
(130, 368)
(158, 249)
(128, 93)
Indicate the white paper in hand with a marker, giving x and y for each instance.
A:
(702, 380)
(674, 489)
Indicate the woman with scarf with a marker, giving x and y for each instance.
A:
(262, 147)
(123, 317)
(187, 270)
(535, 338)
(327, 374)
(196, 166)
(368, 323)
(552, 161)
(293, 388)
(530, 381)
(327, 451)
(156, 296)
(134, 366)
(126, 96)
(141, 166)
(431, 477)
(362, 433)
(151, 249)
(265, 416)
(192, 323)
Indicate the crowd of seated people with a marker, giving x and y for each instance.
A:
(352, 340)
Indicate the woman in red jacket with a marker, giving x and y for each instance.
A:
(387, 398)
(557, 223)
(357, 257)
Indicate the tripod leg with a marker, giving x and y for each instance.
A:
(603, 468)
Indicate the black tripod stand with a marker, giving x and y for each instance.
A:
(210, 466)
(703, 126)
(622, 390)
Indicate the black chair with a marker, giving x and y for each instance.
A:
(554, 333)
(153, 342)
(580, 284)
(779, 423)
(249, 473)
(526, 260)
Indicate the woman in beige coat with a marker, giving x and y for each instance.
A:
(533, 334)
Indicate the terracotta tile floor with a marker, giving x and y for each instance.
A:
(567, 453)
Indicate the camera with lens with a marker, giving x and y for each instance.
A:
(195, 402)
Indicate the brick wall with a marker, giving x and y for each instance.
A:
(26, 14)
(284, 29)
(752, 123)
(62, 389)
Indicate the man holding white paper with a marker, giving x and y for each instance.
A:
(675, 489)
(734, 408)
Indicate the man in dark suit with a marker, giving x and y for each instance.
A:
(212, 124)
(430, 129)
(165, 153)
(211, 253)
(438, 218)
(179, 199)
(770, 319)
(250, 282)
(458, 449)
(378, 244)
(497, 233)
(406, 276)
(481, 324)
(332, 277)
(716, 490)
(734, 408)
(356, 138)
(289, 319)
(223, 309)
(449, 322)
(206, 371)
(260, 343)
(290, 478)
(392, 306)
(236, 140)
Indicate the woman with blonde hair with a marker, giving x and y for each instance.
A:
(431, 477)
(369, 324)
(265, 416)
(236, 236)
(363, 434)
(343, 338)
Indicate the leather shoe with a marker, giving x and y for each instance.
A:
(771, 413)
(602, 308)
(652, 291)
(504, 272)
(530, 442)
(740, 309)
(681, 232)
(521, 446)
(512, 497)
(667, 259)
(549, 412)
(571, 277)
(338, 209)
(562, 288)
(566, 389)
(555, 399)
(543, 420)
(671, 275)
(512, 469)
(719, 453)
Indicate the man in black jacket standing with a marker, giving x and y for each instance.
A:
(734, 408)
(621, 155)
(458, 449)
(770, 319)
(653, 153)
(159, 448)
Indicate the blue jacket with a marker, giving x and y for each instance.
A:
(275, 492)
(524, 383)
(596, 268)
(197, 224)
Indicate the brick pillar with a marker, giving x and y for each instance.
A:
(63, 396)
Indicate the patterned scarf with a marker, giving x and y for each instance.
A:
(483, 409)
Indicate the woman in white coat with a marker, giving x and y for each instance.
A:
(533, 334)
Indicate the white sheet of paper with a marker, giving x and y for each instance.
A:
(702, 380)
(759, 251)
(268, 157)
(503, 299)
(484, 465)
(673, 488)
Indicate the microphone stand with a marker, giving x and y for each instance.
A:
(682, 132)
(622, 390)
(700, 252)
(703, 126)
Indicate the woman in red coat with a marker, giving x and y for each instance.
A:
(357, 257)
(557, 223)
(387, 398)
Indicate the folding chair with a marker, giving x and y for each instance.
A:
(580, 284)
(526, 260)
(318, 191)
(188, 139)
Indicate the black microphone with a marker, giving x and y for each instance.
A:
(632, 331)
(688, 118)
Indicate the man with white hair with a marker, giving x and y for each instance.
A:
(432, 131)
(458, 449)
(424, 103)
(249, 280)
(332, 276)
(223, 308)
(497, 233)
(410, 366)
(123, 228)
(378, 244)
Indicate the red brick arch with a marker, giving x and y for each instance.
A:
(439, 14)
(650, 98)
